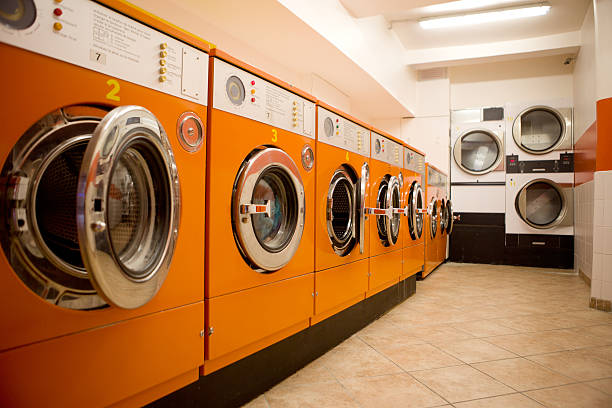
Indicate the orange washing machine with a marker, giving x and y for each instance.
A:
(342, 233)
(101, 228)
(446, 219)
(260, 213)
(435, 232)
(414, 205)
(386, 234)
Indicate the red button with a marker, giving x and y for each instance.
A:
(58, 12)
(252, 99)
(252, 82)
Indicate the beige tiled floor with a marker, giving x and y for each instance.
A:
(472, 336)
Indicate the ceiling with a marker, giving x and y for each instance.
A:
(564, 16)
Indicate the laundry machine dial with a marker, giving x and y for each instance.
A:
(377, 146)
(234, 89)
(17, 14)
(328, 126)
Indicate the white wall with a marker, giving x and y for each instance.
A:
(603, 47)
(585, 92)
(494, 84)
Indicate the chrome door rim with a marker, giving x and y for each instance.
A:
(521, 204)
(498, 143)
(363, 185)
(415, 192)
(451, 220)
(255, 254)
(342, 245)
(38, 267)
(433, 216)
(122, 128)
(393, 188)
(443, 216)
(516, 128)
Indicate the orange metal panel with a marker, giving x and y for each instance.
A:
(25, 318)
(161, 390)
(235, 61)
(413, 257)
(385, 270)
(329, 159)
(242, 318)
(231, 140)
(604, 135)
(106, 365)
(340, 287)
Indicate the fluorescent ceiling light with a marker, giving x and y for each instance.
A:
(486, 17)
(464, 5)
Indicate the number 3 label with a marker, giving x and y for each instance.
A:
(112, 94)
(274, 135)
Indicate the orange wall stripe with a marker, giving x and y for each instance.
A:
(604, 135)
(584, 156)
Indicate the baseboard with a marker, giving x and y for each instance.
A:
(243, 380)
(584, 277)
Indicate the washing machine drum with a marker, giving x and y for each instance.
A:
(544, 204)
(268, 209)
(388, 198)
(92, 207)
(541, 129)
(478, 151)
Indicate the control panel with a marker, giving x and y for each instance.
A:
(565, 164)
(245, 94)
(386, 150)
(92, 36)
(435, 178)
(335, 130)
(414, 161)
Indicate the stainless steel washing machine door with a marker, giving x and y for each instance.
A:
(450, 217)
(388, 200)
(341, 211)
(478, 151)
(443, 216)
(415, 211)
(128, 207)
(541, 129)
(364, 182)
(92, 207)
(544, 204)
(433, 218)
(268, 209)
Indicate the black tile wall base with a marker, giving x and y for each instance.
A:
(541, 251)
(478, 238)
(242, 381)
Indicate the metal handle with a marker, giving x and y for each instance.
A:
(379, 211)
(422, 211)
(538, 243)
(457, 217)
(256, 209)
(402, 211)
(363, 182)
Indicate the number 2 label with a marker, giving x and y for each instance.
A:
(112, 94)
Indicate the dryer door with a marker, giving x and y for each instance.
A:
(394, 205)
(541, 129)
(341, 212)
(268, 209)
(544, 204)
(128, 207)
(415, 209)
(478, 151)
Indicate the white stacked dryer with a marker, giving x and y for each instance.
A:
(477, 162)
(540, 184)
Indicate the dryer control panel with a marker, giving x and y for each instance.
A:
(565, 164)
(414, 161)
(245, 94)
(335, 130)
(386, 150)
(91, 36)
